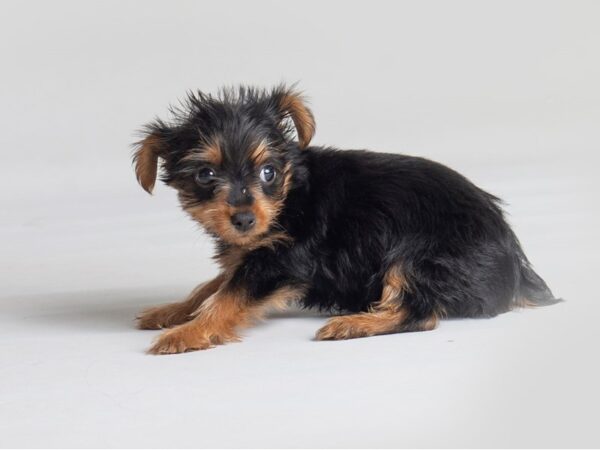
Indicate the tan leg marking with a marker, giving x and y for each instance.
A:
(388, 315)
(219, 318)
(166, 316)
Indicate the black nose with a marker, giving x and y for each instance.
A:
(243, 221)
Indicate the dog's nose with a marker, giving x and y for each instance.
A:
(243, 221)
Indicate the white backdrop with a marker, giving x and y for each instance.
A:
(507, 93)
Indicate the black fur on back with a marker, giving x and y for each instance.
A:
(354, 214)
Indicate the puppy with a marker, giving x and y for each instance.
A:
(394, 242)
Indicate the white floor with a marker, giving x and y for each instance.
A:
(77, 267)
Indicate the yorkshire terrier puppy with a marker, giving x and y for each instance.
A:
(394, 242)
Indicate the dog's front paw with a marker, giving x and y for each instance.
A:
(164, 316)
(179, 340)
(343, 327)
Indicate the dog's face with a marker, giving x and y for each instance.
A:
(229, 157)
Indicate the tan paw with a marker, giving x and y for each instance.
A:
(179, 340)
(343, 327)
(190, 337)
(164, 316)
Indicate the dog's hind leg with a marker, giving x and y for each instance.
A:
(166, 316)
(388, 315)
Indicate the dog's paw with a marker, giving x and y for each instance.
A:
(164, 316)
(190, 337)
(179, 340)
(343, 327)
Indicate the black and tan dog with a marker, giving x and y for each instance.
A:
(395, 242)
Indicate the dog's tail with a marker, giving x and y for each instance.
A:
(532, 289)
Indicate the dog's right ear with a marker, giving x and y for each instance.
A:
(146, 159)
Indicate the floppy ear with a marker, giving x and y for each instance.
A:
(292, 105)
(146, 161)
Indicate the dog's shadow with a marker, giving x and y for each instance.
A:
(114, 309)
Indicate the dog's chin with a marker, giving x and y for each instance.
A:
(233, 237)
(240, 239)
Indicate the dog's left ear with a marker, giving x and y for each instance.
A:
(292, 105)
(146, 160)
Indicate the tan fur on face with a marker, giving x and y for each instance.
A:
(388, 315)
(166, 316)
(146, 162)
(219, 318)
(303, 119)
(210, 153)
(215, 215)
(260, 154)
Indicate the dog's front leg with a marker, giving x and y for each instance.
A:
(218, 320)
(166, 316)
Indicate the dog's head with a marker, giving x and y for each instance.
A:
(230, 158)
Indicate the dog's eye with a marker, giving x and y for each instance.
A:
(267, 174)
(205, 175)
